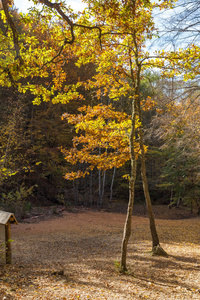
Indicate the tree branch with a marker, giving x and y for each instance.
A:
(14, 30)
(57, 7)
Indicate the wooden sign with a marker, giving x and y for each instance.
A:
(2, 233)
(6, 219)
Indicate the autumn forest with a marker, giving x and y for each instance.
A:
(67, 87)
(99, 107)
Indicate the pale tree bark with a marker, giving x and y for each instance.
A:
(99, 201)
(136, 112)
(156, 248)
(91, 190)
(111, 186)
(102, 180)
(127, 226)
(103, 187)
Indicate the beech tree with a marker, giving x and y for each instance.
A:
(101, 143)
(103, 128)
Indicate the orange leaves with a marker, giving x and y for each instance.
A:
(164, 4)
(148, 104)
(103, 139)
(75, 175)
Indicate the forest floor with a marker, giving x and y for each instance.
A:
(75, 255)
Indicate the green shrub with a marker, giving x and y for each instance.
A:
(16, 201)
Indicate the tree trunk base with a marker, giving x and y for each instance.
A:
(158, 250)
(123, 270)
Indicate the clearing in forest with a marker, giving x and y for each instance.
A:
(75, 256)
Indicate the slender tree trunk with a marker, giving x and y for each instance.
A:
(155, 239)
(171, 197)
(156, 248)
(103, 187)
(101, 184)
(91, 190)
(111, 186)
(11, 129)
(6, 152)
(179, 197)
(85, 192)
(99, 202)
(127, 226)
(75, 190)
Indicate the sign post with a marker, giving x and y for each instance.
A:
(6, 219)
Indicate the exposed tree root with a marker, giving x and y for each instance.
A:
(158, 250)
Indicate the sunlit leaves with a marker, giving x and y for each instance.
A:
(115, 46)
(44, 53)
(43, 56)
(183, 62)
(102, 140)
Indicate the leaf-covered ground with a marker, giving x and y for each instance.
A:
(75, 256)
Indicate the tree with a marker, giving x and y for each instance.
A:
(29, 134)
(102, 141)
(103, 128)
(120, 63)
(117, 47)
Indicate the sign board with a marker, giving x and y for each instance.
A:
(6, 219)
(2, 233)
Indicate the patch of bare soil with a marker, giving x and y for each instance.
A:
(75, 256)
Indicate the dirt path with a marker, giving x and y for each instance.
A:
(75, 256)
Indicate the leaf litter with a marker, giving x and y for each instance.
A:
(76, 256)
